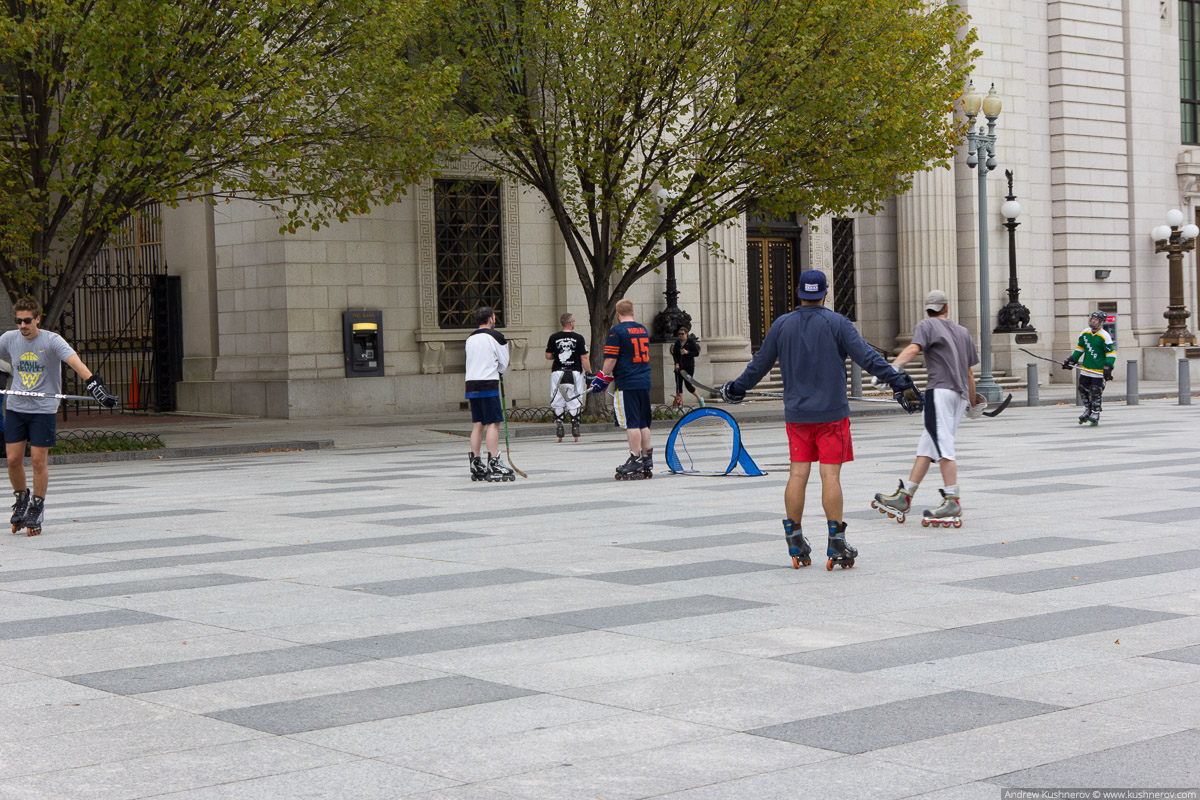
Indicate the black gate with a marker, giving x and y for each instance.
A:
(124, 321)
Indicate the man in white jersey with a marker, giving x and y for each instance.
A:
(36, 357)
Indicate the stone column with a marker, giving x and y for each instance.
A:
(724, 320)
(926, 247)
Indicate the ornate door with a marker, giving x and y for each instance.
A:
(771, 282)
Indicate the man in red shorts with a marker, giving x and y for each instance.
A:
(811, 344)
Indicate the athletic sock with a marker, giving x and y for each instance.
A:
(951, 490)
(911, 487)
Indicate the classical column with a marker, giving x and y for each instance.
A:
(926, 247)
(724, 318)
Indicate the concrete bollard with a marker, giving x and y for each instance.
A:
(855, 380)
(1131, 383)
(1185, 383)
(1031, 385)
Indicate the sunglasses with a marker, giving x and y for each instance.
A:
(25, 320)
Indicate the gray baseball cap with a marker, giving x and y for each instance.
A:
(936, 300)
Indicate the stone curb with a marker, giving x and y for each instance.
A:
(198, 451)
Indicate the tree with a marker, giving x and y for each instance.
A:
(642, 121)
(109, 105)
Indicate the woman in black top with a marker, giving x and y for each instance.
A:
(684, 351)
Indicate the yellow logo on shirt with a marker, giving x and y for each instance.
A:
(30, 369)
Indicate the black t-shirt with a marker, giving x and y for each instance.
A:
(568, 349)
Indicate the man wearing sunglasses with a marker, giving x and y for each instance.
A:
(36, 357)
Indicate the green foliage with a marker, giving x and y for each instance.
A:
(645, 120)
(106, 105)
(106, 442)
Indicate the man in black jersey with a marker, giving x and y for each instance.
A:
(567, 352)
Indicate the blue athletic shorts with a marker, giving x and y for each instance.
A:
(486, 410)
(632, 407)
(37, 429)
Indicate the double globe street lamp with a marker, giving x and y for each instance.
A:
(981, 154)
(1175, 240)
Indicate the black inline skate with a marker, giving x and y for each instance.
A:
(575, 426)
(558, 426)
(648, 463)
(798, 547)
(498, 471)
(33, 515)
(837, 550)
(478, 468)
(632, 470)
(19, 507)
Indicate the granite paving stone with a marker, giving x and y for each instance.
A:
(569, 636)
(903, 721)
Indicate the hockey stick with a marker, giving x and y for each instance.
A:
(507, 452)
(999, 408)
(19, 393)
(1074, 364)
(717, 392)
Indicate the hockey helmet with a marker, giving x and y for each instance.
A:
(1100, 315)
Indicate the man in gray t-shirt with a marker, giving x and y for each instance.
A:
(949, 391)
(36, 357)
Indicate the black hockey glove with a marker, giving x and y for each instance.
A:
(1108, 372)
(730, 394)
(95, 387)
(1068, 364)
(905, 393)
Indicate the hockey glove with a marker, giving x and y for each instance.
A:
(731, 394)
(906, 394)
(600, 382)
(1068, 363)
(976, 409)
(1108, 372)
(95, 387)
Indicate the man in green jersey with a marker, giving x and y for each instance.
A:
(1095, 355)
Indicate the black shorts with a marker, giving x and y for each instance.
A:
(486, 410)
(37, 429)
(632, 407)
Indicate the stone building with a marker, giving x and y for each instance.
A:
(1098, 128)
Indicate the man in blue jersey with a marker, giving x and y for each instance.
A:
(811, 344)
(627, 360)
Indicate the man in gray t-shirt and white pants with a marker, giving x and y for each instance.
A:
(949, 391)
(36, 357)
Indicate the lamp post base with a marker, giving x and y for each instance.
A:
(1177, 333)
(987, 386)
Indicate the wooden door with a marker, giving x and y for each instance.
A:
(771, 282)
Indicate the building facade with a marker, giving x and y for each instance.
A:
(1099, 128)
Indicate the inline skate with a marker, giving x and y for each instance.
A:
(498, 471)
(19, 507)
(947, 514)
(798, 547)
(33, 515)
(838, 551)
(897, 504)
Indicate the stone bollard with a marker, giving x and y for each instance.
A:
(1185, 383)
(1031, 385)
(1131, 383)
(855, 380)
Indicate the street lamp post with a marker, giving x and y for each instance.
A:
(1175, 241)
(667, 322)
(1014, 317)
(981, 153)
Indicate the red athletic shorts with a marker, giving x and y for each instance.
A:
(827, 442)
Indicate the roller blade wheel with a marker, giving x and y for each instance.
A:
(899, 516)
(35, 530)
(798, 562)
(944, 523)
(558, 431)
(844, 563)
(17, 527)
(1093, 423)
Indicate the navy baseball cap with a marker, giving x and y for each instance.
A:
(812, 285)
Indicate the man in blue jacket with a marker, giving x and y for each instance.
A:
(811, 344)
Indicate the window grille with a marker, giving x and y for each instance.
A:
(470, 267)
(1189, 65)
(843, 268)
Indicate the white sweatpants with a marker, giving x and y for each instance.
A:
(944, 409)
(572, 389)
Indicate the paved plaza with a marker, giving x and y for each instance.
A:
(364, 622)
